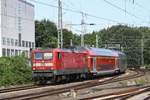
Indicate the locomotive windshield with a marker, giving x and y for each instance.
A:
(43, 56)
(38, 56)
(48, 56)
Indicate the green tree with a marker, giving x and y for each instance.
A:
(67, 37)
(45, 33)
(76, 39)
(146, 39)
(90, 39)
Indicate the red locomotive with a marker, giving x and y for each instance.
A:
(65, 64)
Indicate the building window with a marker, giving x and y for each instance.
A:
(12, 42)
(8, 41)
(8, 52)
(30, 44)
(19, 39)
(12, 52)
(4, 41)
(33, 45)
(26, 43)
(16, 42)
(4, 52)
(23, 43)
(16, 52)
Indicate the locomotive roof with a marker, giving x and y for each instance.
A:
(104, 52)
(41, 50)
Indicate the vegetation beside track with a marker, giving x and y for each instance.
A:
(14, 71)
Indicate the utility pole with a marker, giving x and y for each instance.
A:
(96, 41)
(83, 30)
(60, 26)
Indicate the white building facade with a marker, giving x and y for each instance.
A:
(17, 27)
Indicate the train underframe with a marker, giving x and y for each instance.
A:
(44, 78)
(53, 77)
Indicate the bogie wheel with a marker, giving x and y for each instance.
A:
(42, 82)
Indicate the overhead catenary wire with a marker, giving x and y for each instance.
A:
(124, 10)
(144, 8)
(139, 5)
(79, 12)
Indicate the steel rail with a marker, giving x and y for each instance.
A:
(19, 88)
(121, 95)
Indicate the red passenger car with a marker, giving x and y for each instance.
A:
(102, 61)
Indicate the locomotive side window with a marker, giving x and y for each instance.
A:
(48, 56)
(38, 56)
(58, 55)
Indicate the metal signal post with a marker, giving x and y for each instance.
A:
(83, 30)
(60, 26)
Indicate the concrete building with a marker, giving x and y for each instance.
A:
(17, 27)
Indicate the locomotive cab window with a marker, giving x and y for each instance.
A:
(38, 56)
(48, 56)
(58, 55)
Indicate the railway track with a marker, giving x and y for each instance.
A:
(19, 88)
(122, 95)
(75, 87)
(52, 91)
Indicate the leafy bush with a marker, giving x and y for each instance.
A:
(14, 70)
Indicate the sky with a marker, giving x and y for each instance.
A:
(103, 13)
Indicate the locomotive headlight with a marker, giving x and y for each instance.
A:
(33, 68)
